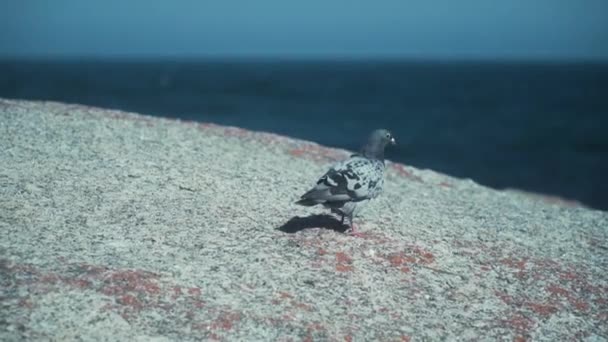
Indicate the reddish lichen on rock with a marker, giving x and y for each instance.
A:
(343, 262)
(404, 172)
(316, 153)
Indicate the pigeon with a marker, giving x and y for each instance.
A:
(349, 184)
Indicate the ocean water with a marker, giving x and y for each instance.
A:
(540, 127)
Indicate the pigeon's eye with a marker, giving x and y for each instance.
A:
(388, 135)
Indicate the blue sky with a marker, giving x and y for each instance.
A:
(561, 29)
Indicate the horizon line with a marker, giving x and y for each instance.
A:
(300, 57)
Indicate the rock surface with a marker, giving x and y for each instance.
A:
(120, 226)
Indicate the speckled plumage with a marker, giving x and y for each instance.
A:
(348, 185)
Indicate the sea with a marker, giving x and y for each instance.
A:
(536, 126)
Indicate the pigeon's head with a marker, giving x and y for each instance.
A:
(374, 148)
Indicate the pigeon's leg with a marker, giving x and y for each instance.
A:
(353, 228)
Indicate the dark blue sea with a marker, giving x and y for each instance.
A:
(540, 127)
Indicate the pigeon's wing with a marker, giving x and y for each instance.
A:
(353, 180)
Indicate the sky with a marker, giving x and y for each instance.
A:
(442, 29)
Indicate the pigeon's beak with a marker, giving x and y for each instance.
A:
(393, 141)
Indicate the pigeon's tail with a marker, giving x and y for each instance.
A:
(307, 202)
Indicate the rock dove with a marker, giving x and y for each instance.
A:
(353, 182)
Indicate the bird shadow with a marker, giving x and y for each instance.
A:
(296, 224)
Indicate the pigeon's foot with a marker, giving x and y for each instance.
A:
(358, 234)
(355, 232)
